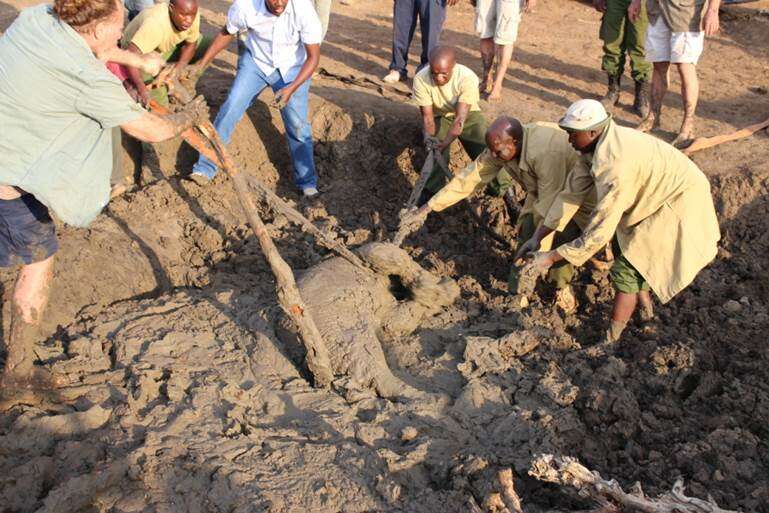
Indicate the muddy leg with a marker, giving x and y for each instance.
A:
(624, 306)
(30, 297)
(487, 57)
(660, 83)
(647, 306)
(690, 90)
(504, 56)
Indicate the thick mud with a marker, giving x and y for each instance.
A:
(184, 398)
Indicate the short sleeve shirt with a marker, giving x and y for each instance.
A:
(153, 31)
(461, 87)
(276, 42)
(679, 15)
(58, 104)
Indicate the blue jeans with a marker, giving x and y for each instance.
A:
(249, 82)
(136, 6)
(431, 14)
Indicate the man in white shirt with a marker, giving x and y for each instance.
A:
(282, 51)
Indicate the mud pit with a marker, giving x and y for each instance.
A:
(185, 399)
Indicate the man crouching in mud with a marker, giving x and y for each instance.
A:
(539, 157)
(58, 106)
(654, 206)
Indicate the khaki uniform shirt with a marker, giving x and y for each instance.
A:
(461, 87)
(153, 31)
(546, 160)
(679, 15)
(654, 199)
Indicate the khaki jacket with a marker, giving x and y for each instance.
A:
(546, 160)
(654, 198)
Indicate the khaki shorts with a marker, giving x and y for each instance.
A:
(662, 45)
(498, 19)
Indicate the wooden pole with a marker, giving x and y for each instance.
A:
(289, 298)
(610, 497)
(195, 138)
(701, 143)
(288, 294)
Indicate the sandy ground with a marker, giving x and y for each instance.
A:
(184, 397)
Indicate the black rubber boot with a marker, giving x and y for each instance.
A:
(641, 103)
(612, 94)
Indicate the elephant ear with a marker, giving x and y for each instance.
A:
(424, 288)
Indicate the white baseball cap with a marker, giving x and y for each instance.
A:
(584, 115)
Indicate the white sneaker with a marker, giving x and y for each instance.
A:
(393, 77)
(309, 192)
(199, 178)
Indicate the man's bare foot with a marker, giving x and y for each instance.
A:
(650, 122)
(486, 84)
(495, 95)
(685, 134)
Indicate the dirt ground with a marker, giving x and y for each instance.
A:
(185, 399)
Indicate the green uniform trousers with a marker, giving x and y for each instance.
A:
(623, 275)
(620, 36)
(562, 272)
(160, 94)
(472, 138)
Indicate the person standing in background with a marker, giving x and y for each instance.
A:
(496, 22)
(676, 34)
(323, 8)
(431, 15)
(134, 7)
(621, 37)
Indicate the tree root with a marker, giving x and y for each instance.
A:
(611, 498)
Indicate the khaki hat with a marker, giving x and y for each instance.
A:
(584, 115)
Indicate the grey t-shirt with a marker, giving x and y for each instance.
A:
(58, 103)
(679, 15)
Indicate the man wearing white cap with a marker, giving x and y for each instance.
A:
(676, 35)
(654, 207)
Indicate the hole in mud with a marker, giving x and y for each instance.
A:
(688, 385)
(398, 289)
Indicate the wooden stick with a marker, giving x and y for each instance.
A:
(288, 294)
(472, 505)
(701, 143)
(405, 230)
(610, 496)
(200, 142)
(495, 504)
(274, 201)
(424, 174)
